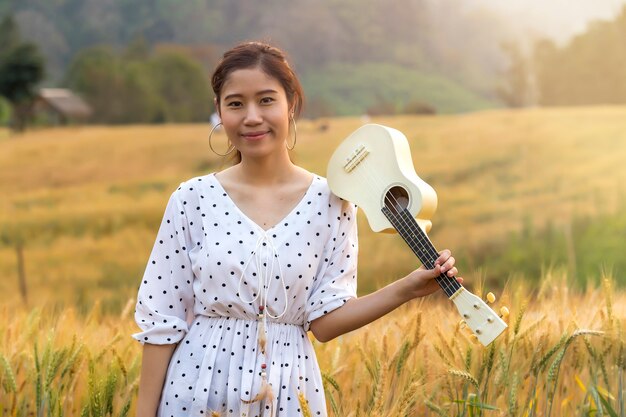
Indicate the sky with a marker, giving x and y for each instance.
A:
(559, 19)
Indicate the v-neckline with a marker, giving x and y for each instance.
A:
(249, 219)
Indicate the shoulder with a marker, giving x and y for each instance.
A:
(190, 189)
(334, 202)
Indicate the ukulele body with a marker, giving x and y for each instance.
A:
(374, 162)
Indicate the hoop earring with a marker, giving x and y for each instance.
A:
(230, 149)
(295, 135)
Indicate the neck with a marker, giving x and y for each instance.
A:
(270, 170)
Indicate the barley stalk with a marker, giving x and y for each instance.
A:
(468, 358)
(378, 397)
(403, 353)
(553, 372)
(109, 390)
(9, 382)
(464, 375)
(120, 363)
(304, 405)
(513, 396)
(328, 381)
(608, 296)
(487, 367)
(442, 355)
(126, 408)
(53, 367)
(544, 359)
(446, 345)
(528, 330)
(417, 334)
(518, 319)
(385, 352)
(434, 407)
(408, 398)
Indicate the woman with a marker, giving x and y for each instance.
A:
(248, 259)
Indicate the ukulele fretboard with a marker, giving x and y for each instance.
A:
(414, 236)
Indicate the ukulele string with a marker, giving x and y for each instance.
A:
(445, 283)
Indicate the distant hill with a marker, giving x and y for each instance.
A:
(385, 88)
(437, 45)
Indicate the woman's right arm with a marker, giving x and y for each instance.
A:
(156, 359)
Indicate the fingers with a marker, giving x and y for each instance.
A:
(445, 263)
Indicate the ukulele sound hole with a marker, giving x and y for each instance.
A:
(396, 199)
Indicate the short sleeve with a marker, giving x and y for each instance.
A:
(166, 292)
(338, 282)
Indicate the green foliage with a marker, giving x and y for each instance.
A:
(21, 69)
(137, 87)
(583, 250)
(358, 89)
(9, 35)
(182, 86)
(5, 111)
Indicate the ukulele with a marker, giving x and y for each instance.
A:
(373, 169)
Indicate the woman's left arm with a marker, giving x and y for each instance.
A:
(358, 312)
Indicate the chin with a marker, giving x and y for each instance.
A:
(260, 152)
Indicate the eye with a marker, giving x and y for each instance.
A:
(234, 104)
(267, 100)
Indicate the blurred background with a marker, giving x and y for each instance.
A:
(146, 62)
(516, 114)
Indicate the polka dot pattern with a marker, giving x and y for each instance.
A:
(189, 295)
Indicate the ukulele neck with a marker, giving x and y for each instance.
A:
(407, 227)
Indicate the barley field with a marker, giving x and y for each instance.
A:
(562, 355)
(532, 203)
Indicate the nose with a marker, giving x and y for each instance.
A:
(253, 115)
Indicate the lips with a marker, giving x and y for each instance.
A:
(255, 135)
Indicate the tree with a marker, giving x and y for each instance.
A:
(518, 87)
(9, 35)
(139, 86)
(21, 69)
(119, 90)
(183, 87)
(588, 70)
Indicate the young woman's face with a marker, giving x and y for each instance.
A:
(255, 112)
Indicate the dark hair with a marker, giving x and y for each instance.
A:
(270, 60)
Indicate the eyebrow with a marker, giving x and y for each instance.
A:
(236, 95)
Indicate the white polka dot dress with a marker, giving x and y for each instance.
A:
(213, 270)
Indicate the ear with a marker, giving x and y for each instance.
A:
(217, 106)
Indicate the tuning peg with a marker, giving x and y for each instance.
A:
(491, 297)
(462, 324)
(504, 312)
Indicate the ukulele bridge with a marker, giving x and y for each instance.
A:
(355, 158)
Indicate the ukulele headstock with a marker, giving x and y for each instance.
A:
(478, 316)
